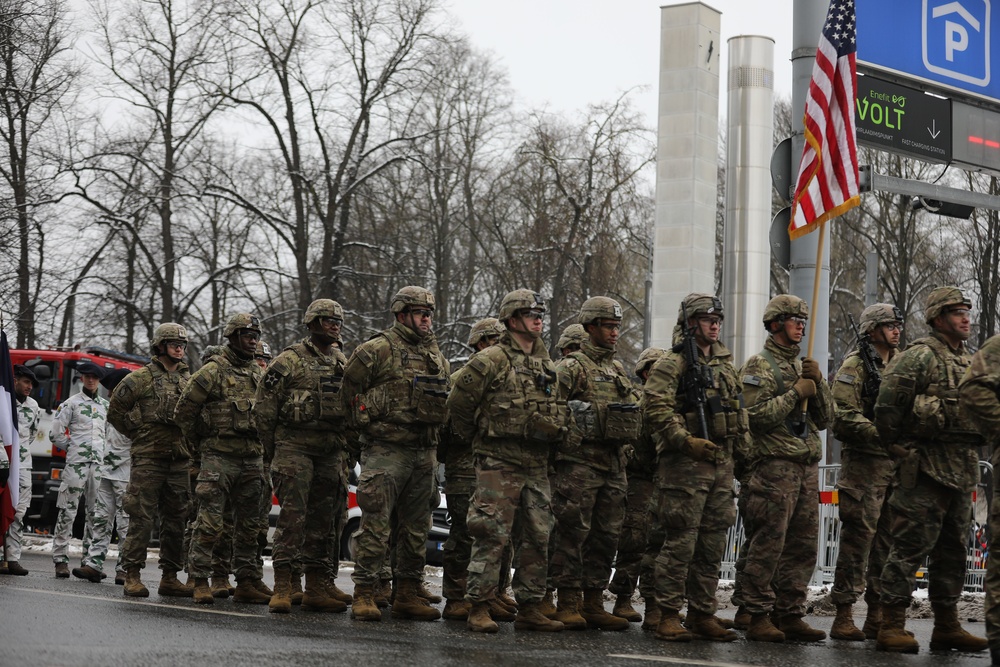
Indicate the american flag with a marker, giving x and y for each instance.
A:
(827, 184)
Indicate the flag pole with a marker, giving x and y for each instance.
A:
(816, 279)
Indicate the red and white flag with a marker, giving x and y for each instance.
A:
(827, 184)
(8, 436)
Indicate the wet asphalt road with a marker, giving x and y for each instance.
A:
(48, 621)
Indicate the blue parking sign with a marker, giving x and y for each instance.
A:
(956, 39)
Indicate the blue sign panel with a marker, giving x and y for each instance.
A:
(945, 43)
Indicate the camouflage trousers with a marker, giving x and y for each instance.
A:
(237, 480)
(12, 540)
(107, 514)
(157, 489)
(398, 479)
(933, 520)
(458, 551)
(589, 507)
(79, 480)
(992, 584)
(741, 552)
(634, 539)
(654, 544)
(696, 507)
(783, 512)
(312, 491)
(510, 506)
(864, 487)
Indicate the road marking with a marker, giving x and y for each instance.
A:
(127, 601)
(679, 661)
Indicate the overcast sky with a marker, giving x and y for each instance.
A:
(564, 54)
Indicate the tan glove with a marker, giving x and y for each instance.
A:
(805, 387)
(810, 369)
(699, 449)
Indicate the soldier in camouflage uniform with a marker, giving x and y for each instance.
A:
(398, 384)
(979, 399)
(301, 415)
(571, 339)
(918, 419)
(506, 402)
(694, 468)
(216, 409)
(783, 489)
(589, 486)
(865, 476)
(460, 481)
(142, 409)
(28, 415)
(80, 428)
(108, 513)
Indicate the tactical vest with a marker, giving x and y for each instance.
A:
(231, 416)
(613, 411)
(158, 406)
(525, 406)
(315, 401)
(938, 416)
(725, 412)
(418, 391)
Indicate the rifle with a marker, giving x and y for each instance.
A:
(697, 378)
(866, 350)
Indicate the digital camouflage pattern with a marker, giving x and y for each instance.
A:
(918, 408)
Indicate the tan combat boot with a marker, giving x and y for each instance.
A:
(261, 587)
(170, 586)
(220, 587)
(500, 612)
(409, 604)
(892, 636)
(568, 609)
(707, 626)
(336, 593)
(948, 633)
(547, 605)
(530, 617)
(761, 629)
(843, 625)
(507, 601)
(624, 609)
(742, 619)
(670, 628)
(873, 620)
(479, 618)
(317, 597)
(797, 630)
(281, 601)
(363, 608)
(426, 593)
(247, 593)
(202, 594)
(456, 610)
(596, 615)
(653, 615)
(296, 586)
(134, 587)
(382, 593)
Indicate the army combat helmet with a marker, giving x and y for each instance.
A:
(600, 308)
(697, 303)
(784, 306)
(941, 298)
(263, 351)
(646, 359)
(323, 308)
(879, 313)
(520, 299)
(572, 335)
(484, 328)
(167, 331)
(411, 296)
(241, 321)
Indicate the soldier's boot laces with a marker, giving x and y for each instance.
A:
(797, 630)
(336, 593)
(741, 621)
(500, 612)
(247, 593)
(507, 601)
(568, 610)
(220, 587)
(62, 571)
(707, 626)
(456, 610)
(761, 629)
(547, 605)
(624, 609)
(170, 586)
(409, 604)
(873, 620)
(479, 618)
(670, 628)
(316, 596)
(382, 593)
(596, 615)
(296, 587)
(892, 636)
(653, 615)
(281, 601)
(843, 625)
(426, 593)
(948, 632)
(202, 594)
(530, 617)
(89, 573)
(133, 587)
(363, 608)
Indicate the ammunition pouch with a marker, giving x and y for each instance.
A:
(623, 422)
(585, 417)
(429, 398)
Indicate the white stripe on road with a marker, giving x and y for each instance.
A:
(679, 661)
(203, 610)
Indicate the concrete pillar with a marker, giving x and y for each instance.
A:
(687, 162)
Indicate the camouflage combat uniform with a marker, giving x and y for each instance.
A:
(783, 488)
(215, 409)
(85, 419)
(108, 513)
(142, 408)
(28, 415)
